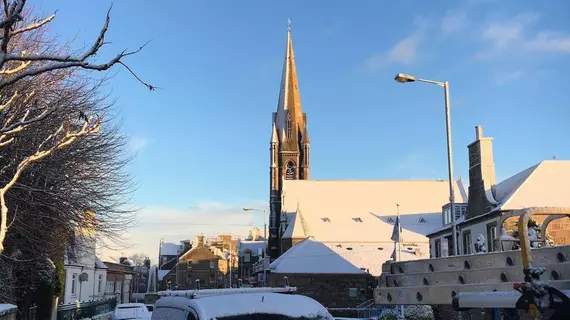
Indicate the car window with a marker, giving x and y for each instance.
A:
(169, 314)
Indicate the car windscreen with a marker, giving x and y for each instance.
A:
(268, 316)
(129, 312)
(169, 314)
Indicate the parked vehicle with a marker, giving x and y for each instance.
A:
(241, 306)
(131, 311)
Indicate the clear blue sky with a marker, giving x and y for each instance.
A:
(204, 137)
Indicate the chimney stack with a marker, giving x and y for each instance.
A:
(200, 240)
(479, 132)
(481, 175)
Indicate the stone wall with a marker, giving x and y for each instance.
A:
(331, 290)
(558, 230)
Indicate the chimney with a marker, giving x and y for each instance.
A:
(481, 175)
(200, 240)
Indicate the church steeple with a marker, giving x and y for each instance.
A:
(289, 120)
(289, 144)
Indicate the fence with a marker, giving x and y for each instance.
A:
(364, 310)
(86, 309)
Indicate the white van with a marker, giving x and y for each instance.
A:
(242, 306)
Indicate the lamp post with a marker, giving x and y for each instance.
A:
(265, 239)
(404, 78)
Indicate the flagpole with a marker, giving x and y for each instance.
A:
(398, 254)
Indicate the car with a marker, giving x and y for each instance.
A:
(131, 311)
(242, 306)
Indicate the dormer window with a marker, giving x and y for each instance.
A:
(357, 219)
(422, 220)
(325, 219)
(390, 220)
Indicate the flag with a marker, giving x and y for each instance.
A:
(396, 233)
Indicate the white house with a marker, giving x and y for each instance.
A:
(542, 185)
(85, 274)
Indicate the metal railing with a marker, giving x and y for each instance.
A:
(364, 310)
(86, 309)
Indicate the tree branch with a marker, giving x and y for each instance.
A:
(88, 128)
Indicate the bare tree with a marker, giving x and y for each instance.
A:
(18, 64)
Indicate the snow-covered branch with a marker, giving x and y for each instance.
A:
(69, 136)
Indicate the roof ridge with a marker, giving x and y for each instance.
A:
(532, 171)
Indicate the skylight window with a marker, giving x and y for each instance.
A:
(357, 219)
(325, 219)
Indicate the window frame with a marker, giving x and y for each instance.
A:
(437, 244)
(467, 242)
(491, 238)
(73, 284)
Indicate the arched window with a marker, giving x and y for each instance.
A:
(289, 128)
(290, 171)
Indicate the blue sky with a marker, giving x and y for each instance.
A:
(202, 140)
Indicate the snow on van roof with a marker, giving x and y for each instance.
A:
(266, 303)
(225, 291)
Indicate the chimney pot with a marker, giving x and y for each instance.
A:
(479, 132)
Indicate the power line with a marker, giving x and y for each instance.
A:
(202, 224)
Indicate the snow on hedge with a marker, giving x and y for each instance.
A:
(419, 312)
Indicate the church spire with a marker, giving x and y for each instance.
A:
(289, 119)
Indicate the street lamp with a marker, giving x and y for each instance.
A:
(265, 239)
(404, 78)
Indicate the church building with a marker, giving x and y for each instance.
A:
(341, 211)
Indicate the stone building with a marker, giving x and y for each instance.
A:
(198, 264)
(542, 185)
(250, 252)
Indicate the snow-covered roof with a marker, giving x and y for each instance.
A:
(5, 307)
(253, 246)
(371, 256)
(310, 256)
(170, 249)
(358, 211)
(99, 264)
(542, 185)
(161, 274)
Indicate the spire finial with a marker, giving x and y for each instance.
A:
(289, 24)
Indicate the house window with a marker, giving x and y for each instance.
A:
(290, 171)
(357, 219)
(100, 284)
(447, 215)
(73, 283)
(491, 234)
(212, 264)
(437, 248)
(467, 242)
(247, 256)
